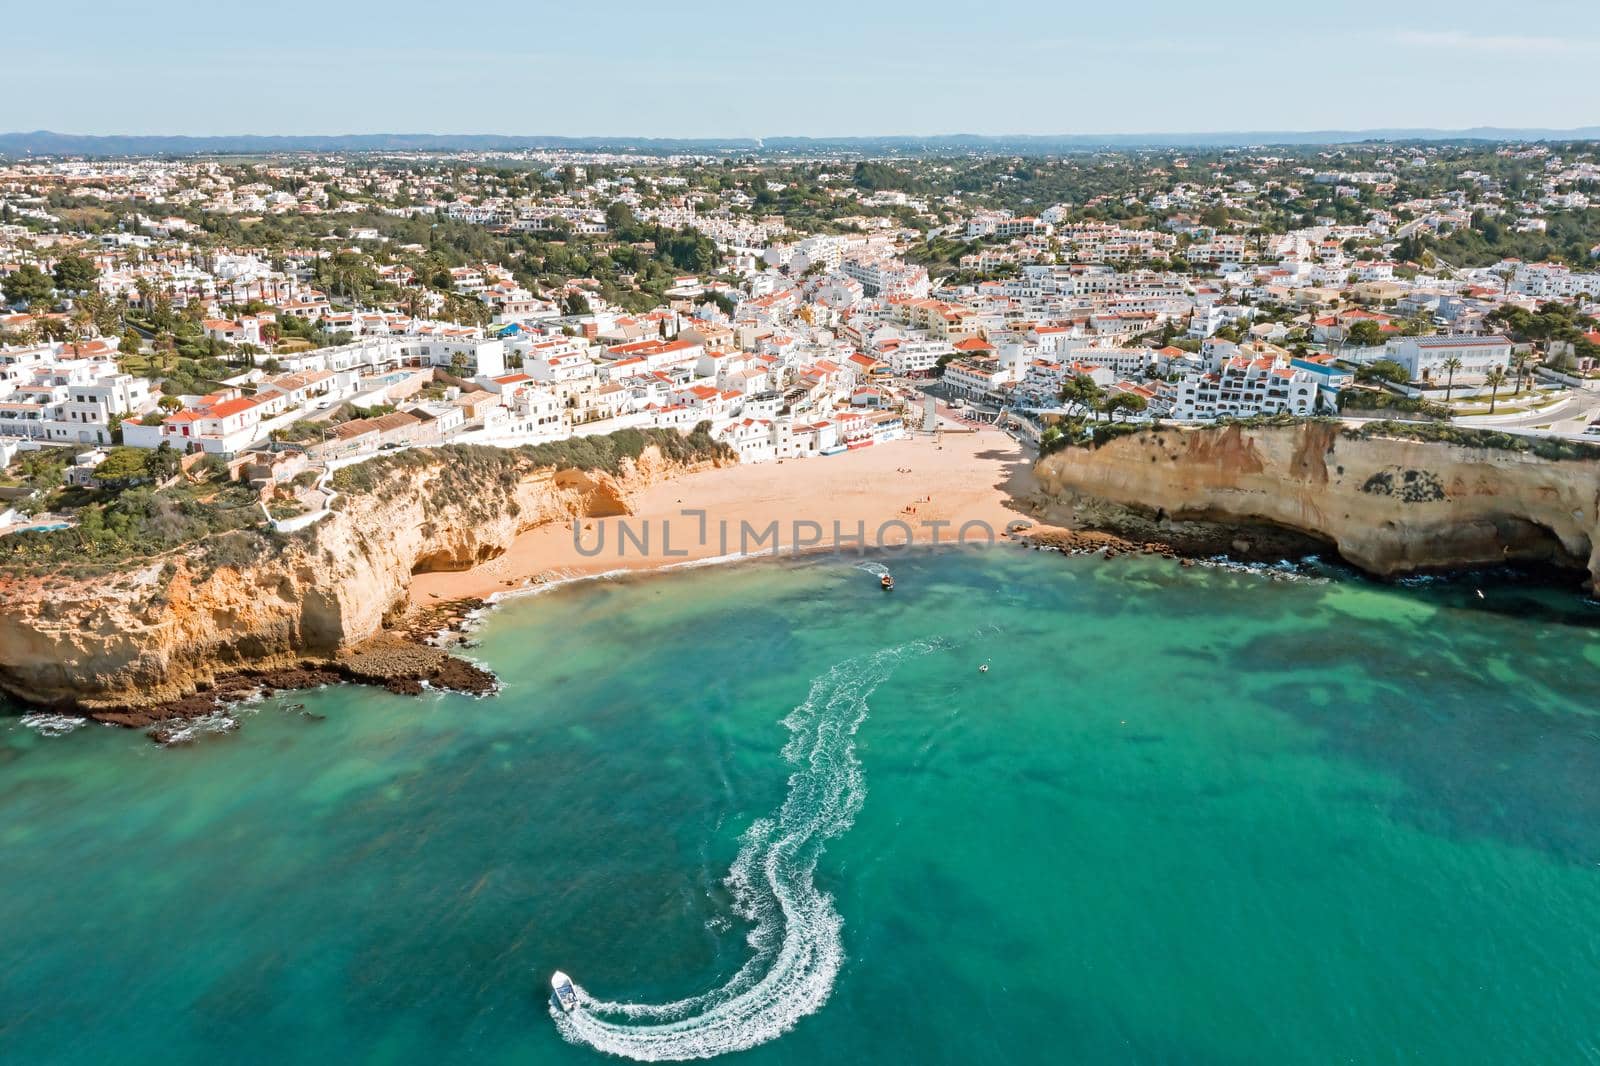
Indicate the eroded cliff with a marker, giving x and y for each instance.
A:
(1389, 504)
(159, 629)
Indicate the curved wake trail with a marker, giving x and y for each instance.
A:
(797, 949)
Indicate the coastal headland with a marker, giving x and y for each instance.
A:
(419, 538)
(1389, 498)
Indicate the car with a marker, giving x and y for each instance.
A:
(1594, 429)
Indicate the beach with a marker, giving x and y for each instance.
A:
(922, 490)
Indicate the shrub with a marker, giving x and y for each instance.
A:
(138, 523)
(1368, 400)
(480, 465)
(1553, 448)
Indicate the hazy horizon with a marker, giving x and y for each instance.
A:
(780, 134)
(186, 68)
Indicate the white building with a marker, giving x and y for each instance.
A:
(915, 357)
(1241, 388)
(975, 376)
(1123, 362)
(1424, 357)
(1552, 281)
(47, 396)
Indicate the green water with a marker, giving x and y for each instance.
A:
(1188, 816)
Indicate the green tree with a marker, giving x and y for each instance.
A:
(1365, 334)
(164, 462)
(28, 284)
(1494, 379)
(1383, 370)
(1130, 402)
(620, 221)
(1519, 360)
(1080, 392)
(74, 273)
(124, 468)
(1451, 365)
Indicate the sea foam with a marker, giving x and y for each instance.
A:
(795, 937)
(53, 725)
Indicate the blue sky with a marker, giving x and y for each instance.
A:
(820, 67)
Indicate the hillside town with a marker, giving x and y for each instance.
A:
(278, 318)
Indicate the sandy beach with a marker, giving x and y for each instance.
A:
(920, 490)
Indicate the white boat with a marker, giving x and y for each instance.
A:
(561, 992)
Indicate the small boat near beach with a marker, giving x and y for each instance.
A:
(562, 993)
(886, 582)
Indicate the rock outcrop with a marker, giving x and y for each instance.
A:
(1389, 504)
(160, 630)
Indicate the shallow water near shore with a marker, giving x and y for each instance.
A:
(1188, 815)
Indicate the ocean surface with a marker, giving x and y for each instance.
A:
(1188, 815)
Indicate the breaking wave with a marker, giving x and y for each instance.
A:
(795, 935)
(191, 729)
(53, 725)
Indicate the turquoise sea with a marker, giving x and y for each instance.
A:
(1189, 815)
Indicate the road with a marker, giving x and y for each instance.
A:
(1568, 418)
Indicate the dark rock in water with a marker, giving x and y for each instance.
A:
(402, 667)
(300, 709)
(171, 734)
(393, 663)
(462, 676)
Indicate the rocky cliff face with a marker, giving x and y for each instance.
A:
(158, 631)
(1390, 505)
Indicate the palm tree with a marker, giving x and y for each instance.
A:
(79, 324)
(1520, 361)
(1451, 365)
(1494, 379)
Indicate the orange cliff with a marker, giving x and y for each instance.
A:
(1389, 503)
(160, 629)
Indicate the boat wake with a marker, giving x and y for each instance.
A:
(795, 936)
(875, 569)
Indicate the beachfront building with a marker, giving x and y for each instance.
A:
(531, 415)
(1425, 357)
(975, 377)
(1240, 388)
(1123, 362)
(910, 358)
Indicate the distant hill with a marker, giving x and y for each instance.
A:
(44, 142)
